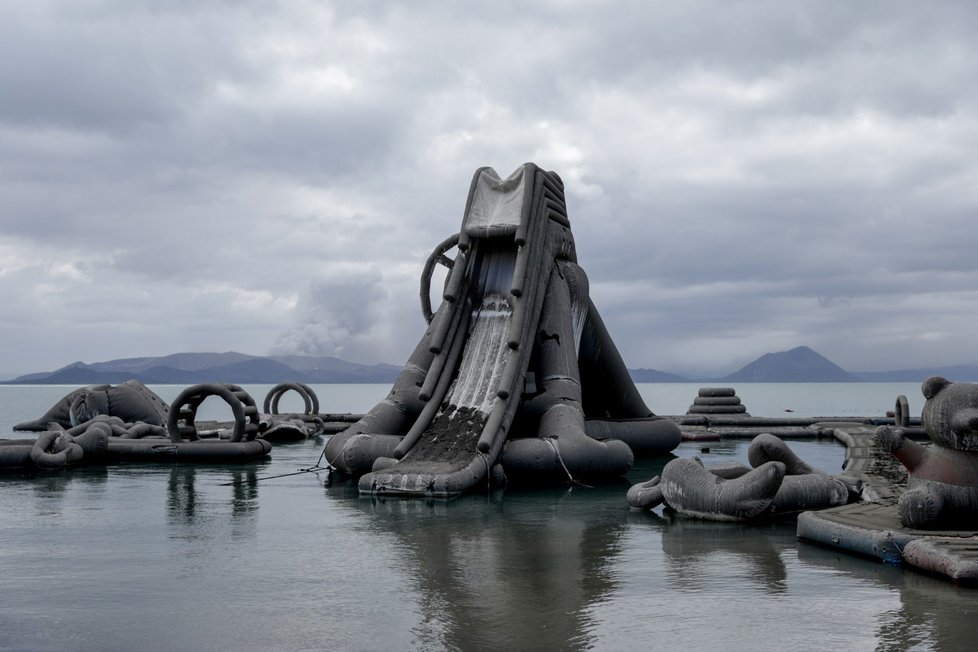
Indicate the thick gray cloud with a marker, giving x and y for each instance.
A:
(742, 177)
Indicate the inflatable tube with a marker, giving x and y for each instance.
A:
(691, 490)
(799, 493)
(717, 409)
(94, 442)
(354, 453)
(717, 391)
(111, 422)
(437, 257)
(766, 447)
(16, 456)
(188, 451)
(55, 450)
(716, 400)
(144, 430)
(645, 495)
(246, 424)
(652, 436)
(572, 456)
(115, 427)
(727, 470)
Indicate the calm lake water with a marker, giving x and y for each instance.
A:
(202, 557)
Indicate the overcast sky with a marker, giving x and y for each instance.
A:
(742, 177)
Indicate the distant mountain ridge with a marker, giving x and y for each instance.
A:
(229, 367)
(800, 364)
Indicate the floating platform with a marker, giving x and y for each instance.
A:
(873, 528)
(870, 528)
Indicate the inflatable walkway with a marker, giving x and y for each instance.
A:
(512, 363)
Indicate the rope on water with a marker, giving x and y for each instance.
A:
(571, 478)
(312, 469)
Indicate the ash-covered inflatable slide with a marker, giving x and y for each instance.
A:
(516, 376)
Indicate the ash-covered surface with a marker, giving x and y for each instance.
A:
(451, 438)
(884, 465)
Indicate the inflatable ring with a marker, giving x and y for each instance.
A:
(717, 409)
(716, 400)
(717, 391)
(275, 394)
(901, 413)
(185, 406)
(437, 257)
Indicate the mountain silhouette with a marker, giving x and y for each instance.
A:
(799, 365)
(230, 367)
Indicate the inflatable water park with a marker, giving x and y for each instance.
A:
(516, 381)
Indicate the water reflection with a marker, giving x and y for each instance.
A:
(481, 565)
(700, 553)
(52, 489)
(181, 496)
(197, 511)
(932, 614)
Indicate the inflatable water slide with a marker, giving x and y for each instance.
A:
(516, 376)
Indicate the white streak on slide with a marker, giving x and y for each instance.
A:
(484, 361)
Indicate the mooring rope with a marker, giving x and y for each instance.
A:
(571, 478)
(312, 469)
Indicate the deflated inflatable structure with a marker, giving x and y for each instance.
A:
(105, 423)
(516, 377)
(777, 483)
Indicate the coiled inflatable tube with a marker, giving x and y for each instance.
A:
(55, 450)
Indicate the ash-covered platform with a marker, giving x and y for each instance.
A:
(873, 528)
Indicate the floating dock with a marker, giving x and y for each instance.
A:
(870, 528)
(873, 528)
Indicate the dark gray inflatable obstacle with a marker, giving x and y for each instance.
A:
(131, 401)
(777, 483)
(107, 437)
(513, 365)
